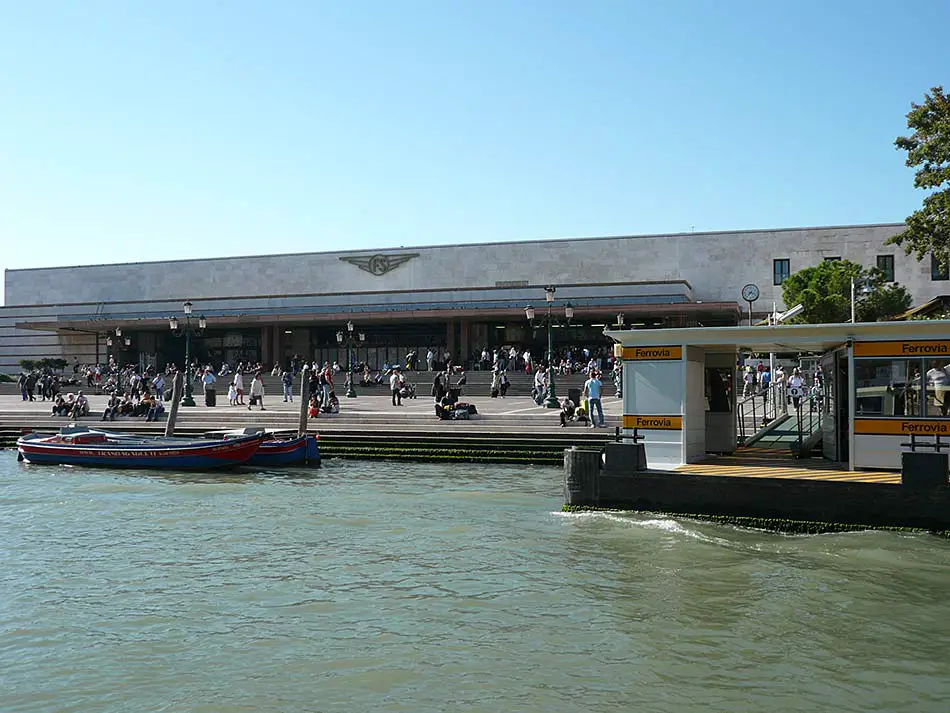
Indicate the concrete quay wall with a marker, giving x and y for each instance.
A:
(871, 504)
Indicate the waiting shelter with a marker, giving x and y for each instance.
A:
(882, 383)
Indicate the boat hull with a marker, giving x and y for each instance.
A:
(118, 451)
(302, 450)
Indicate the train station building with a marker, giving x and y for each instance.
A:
(455, 299)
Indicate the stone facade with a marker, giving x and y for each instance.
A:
(611, 273)
(715, 264)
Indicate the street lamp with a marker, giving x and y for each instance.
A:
(187, 330)
(120, 345)
(350, 340)
(529, 312)
(865, 289)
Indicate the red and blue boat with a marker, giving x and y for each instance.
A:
(92, 447)
(278, 448)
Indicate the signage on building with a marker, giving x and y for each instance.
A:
(658, 423)
(652, 353)
(902, 349)
(901, 427)
(379, 264)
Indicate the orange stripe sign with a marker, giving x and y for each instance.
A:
(902, 349)
(652, 353)
(901, 427)
(659, 423)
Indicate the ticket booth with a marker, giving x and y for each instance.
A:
(881, 383)
(901, 388)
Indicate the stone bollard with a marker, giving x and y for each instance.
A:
(581, 474)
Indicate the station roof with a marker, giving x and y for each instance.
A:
(815, 338)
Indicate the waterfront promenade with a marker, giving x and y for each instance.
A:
(371, 410)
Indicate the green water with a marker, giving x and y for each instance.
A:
(387, 587)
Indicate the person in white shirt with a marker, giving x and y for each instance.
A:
(239, 387)
(395, 385)
(796, 386)
(257, 392)
(938, 382)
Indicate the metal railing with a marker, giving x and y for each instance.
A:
(808, 416)
(759, 409)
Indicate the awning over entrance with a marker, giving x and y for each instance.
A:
(815, 338)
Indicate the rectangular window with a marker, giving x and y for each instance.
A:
(885, 263)
(887, 387)
(939, 270)
(832, 259)
(780, 270)
(902, 387)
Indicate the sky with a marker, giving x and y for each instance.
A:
(133, 131)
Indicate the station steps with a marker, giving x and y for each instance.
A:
(411, 437)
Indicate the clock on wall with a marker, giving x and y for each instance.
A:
(750, 293)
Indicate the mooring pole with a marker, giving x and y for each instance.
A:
(173, 409)
(304, 401)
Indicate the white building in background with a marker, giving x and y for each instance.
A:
(457, 298)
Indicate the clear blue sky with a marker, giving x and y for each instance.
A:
(138, 131)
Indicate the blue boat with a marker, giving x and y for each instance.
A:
(279, 448)
(92, 447)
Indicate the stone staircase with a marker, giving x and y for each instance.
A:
(478, 383)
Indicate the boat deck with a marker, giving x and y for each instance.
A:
(777, 463)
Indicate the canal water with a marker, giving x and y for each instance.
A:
(388, 587)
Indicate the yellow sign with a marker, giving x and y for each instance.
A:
(659, 423)
(902, 349)
(652, 353)
(901, 427)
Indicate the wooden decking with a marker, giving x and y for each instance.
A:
(774, 463)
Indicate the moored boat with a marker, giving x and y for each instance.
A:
(278, 448)
(93, 447)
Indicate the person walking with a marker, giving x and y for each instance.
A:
(287, 380)
(395, 385)
(239, 385)
(257, 391)
(540, 386)
(592, 390)
(495, 383)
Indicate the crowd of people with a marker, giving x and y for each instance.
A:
(793, 384)
(142, 392)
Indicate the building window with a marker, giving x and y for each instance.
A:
(885, 263)
(780, 270)
(832, 259)
(939, 270)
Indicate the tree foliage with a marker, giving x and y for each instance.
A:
(928, 150)
(825, 292)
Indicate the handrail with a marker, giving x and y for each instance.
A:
(764, 406)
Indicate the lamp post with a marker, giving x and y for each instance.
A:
(350, 340)
(865, 289)
(121, 344)
(187, 330)
(529, 312)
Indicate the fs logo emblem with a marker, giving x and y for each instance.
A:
(380, 264)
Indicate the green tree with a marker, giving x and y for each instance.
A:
(825, 292)
(928, 150)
